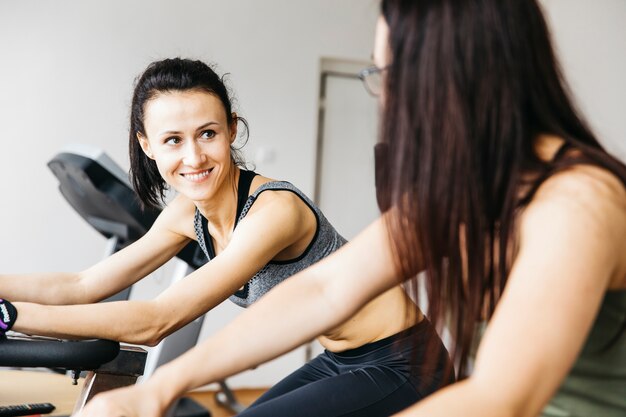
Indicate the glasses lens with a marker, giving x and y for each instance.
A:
(372, 80)
(374, 83)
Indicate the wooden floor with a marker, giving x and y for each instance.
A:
(23, 387)
(26, 387)
(207, 399)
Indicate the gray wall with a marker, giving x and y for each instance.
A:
(67, 69)
(66, 76)
(590, 39)
(67, 72)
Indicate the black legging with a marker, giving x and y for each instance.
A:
(374, 380)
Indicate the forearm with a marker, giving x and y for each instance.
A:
(54, 288)
(125, 321)
(301, 308)
(295, 312)
(464, 398)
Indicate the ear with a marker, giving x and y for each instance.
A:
(145, 145)
(233, 128)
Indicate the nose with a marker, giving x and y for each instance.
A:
(193, 155)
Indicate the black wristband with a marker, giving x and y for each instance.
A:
(8, 315)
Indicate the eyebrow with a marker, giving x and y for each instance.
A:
(176, 132)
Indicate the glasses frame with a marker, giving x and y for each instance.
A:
(367, 75)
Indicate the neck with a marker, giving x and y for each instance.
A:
(220, 209)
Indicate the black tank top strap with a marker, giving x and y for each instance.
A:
(560, 160)
(243, 190)
(561, 152)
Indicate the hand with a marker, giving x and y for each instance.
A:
(8, 316)
(134, 401)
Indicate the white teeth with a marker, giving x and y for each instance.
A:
(197, 177)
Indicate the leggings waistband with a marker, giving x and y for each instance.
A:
(408, 333)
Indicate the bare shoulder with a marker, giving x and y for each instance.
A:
(283, 208)
(585, 184)
(288, 200)
(586, 201)
(587, 188)
(280, 202)
(282, 217)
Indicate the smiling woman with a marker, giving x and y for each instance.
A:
(171, 117)
(256, 232)
(182, 131)
(189, 137)
(493, 187)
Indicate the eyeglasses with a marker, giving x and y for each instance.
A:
(372, 78)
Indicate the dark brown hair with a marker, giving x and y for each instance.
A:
(175, 74)
(471, 84)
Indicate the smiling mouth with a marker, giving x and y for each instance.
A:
(197, 176)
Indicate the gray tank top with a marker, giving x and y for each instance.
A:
(596, 384)
(325, 241)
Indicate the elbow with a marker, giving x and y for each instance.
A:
(144, 334)
(155, 333)
(154, 325)
(149, 336)
(83, 289)
(66, 288)
(341, 305)
(151, 341)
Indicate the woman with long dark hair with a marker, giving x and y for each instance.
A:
(255, 231)
(182, 137)
(493, 186)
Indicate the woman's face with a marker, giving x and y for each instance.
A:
(189, 138)
(381, 53)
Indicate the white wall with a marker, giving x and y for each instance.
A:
(67, 68)
(590, 37)
(67, 72)
(66, 75)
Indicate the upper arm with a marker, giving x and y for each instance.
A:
(350, 277)
(272, 225)
(331, 290)
(570, 250)
(164, 240)
(359, 271)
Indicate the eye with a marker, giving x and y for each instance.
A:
(208, 134)
(173, 140)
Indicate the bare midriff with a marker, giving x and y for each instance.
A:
(384, 316)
